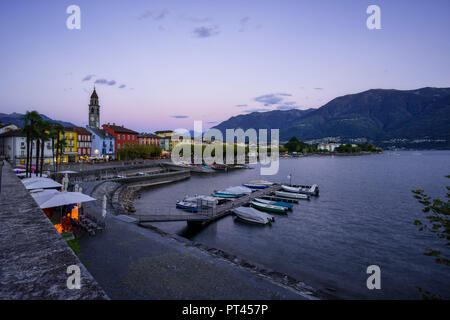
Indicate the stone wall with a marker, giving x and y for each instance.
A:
(33, 256)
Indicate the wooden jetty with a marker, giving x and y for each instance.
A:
(211, 214)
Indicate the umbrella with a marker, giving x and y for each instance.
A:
(44, 195)
(104, 206)
(40, 183)
(67, 171)
(65, 198)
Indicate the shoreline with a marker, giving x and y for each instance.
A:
(241, 262)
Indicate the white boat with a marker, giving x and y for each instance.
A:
(204, 200)
(239, 190)
(263, 182)
(290, 189)
(310, 190)
(252, 215)
(292, 195)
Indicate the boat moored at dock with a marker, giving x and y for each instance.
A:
(275, 203)
(255, 185)
(309, 190)
(251, 215)
(293, 195)
(188, 206)
(268, 207)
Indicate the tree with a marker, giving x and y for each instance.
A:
(295, 145)
(56, 131)
(44, 131)
(61, 144)
(438, 223)
(29, 128)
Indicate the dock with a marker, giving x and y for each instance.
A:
(211, 214)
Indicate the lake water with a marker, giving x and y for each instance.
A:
(363, 216)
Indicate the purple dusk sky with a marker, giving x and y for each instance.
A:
(164, 64)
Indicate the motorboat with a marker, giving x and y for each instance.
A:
(233, 192)
(255, 186)
(204, 200)
(188, 206)
(252, 215)
(310, 190)
(275, 203)
(258, 182)
(220, 194)
(292, 195)
(268, 207)
(239, 190)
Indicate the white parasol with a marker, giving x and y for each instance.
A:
(40, 183)
(65, 198)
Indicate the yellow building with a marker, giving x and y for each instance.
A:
(70, 151)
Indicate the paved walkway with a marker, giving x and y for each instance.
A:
(131, 262)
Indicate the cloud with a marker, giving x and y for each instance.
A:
(155, 15)
(242, 23)
(122, 86)
(289, 103)
(241, 105)
(206, 32)
(285, 94)
(105, 81)
(318, 88)
(256, 110)
(269, 99)
(285, 107)
(211, 122)
(88, 77)
(179, 116)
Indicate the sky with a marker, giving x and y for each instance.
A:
(163, 64)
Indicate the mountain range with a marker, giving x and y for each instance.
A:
(16, 118)
(377, 115)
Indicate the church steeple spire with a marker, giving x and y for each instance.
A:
(94, 110)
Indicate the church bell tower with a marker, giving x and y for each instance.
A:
(94, 111)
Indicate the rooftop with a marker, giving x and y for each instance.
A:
(78, 130)
(120, 129)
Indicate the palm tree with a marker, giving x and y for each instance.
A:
(44, 135)
(55, 130)
(61, 144)
(29, 127)
(37, 137)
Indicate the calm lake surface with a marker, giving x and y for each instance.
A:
(363, 216)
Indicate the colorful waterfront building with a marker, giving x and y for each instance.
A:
(122, 136)
(70, 151)
(103, 143)
(165, 139)
(148, 139)
(83, 142)
(13, 147)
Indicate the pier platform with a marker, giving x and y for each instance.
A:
(212, 214)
